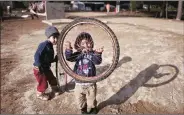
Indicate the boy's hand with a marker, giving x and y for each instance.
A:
(68, 45)
(100, 50)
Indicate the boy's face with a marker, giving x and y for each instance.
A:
(53, 39)
(85, 44)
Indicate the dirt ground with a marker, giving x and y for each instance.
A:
(138, 85)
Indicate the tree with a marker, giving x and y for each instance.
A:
(132, 5)
(179, 12)
(163, 7)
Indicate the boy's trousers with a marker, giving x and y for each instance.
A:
(43, 79)
(85, 95)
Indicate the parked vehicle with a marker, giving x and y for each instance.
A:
(88, 9)
(125, 6)
(80, 6)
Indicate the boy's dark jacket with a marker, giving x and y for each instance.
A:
(44, 55)
(85, 63)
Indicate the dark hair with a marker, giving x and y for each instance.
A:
(82, 36)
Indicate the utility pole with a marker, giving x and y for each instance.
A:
(179, 12)
(166, 9)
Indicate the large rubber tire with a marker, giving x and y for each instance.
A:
(115, 44)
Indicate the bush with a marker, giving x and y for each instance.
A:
(132, 5)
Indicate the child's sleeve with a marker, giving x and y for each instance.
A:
(70, 56)
(38, 53)
(97, 58)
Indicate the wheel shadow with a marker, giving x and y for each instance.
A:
(159, 75)
(140, 80)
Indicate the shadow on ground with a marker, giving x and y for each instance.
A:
(129, 89)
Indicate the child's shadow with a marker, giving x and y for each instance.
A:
(129, 89)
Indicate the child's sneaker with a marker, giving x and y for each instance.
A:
(55, 90)
(42, 96)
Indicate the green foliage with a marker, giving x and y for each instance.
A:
(26, 3)
(132, 5)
